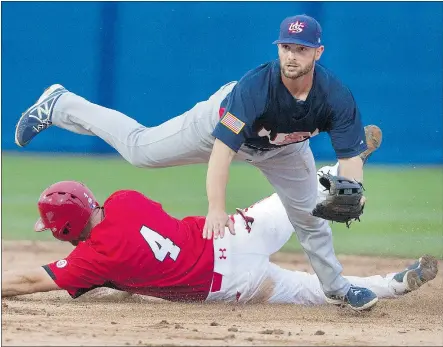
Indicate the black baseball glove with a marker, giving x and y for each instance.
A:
(343, 202)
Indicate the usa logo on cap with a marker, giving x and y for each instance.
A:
(296, 27)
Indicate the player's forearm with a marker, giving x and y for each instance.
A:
(218, 175)
(351, 168)
(26, 282)
(15, 284)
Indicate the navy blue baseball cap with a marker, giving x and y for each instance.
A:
(300, 29)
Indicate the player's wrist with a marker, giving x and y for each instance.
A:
(216, 202)
(217, 208)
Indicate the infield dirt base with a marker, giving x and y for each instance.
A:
(55, 319)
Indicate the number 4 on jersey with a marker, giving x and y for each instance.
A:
(160, 246)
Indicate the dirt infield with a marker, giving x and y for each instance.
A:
(55, 319)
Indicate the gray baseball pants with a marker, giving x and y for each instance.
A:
(187, 139)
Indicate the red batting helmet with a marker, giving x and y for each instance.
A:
(65, 208)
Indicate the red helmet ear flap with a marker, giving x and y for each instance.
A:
(39, 225)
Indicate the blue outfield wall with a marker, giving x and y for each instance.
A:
(155, 60)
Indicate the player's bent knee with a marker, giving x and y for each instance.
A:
(140, 160)
(137, 162)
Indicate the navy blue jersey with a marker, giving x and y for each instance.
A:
(262, 114)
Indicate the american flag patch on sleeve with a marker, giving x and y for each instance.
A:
(232, 122)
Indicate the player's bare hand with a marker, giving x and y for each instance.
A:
(215, 224)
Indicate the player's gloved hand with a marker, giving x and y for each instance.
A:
(344, 202)
(215, 224)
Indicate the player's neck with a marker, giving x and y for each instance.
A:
(299, 87)
(97, 217)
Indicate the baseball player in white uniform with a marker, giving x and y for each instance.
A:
(261, 230)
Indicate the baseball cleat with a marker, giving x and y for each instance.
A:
(374, 138)
(357, 298)
(423, 270)
(38, 117)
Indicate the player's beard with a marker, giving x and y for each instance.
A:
(296, 74)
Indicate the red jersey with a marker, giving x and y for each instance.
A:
(139, 248)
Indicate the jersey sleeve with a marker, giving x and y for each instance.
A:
(346, 132)
(80, 272)
(246, 102)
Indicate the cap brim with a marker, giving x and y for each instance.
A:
(297, 42)
(39, 225)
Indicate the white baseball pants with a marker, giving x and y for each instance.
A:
(248, 276)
